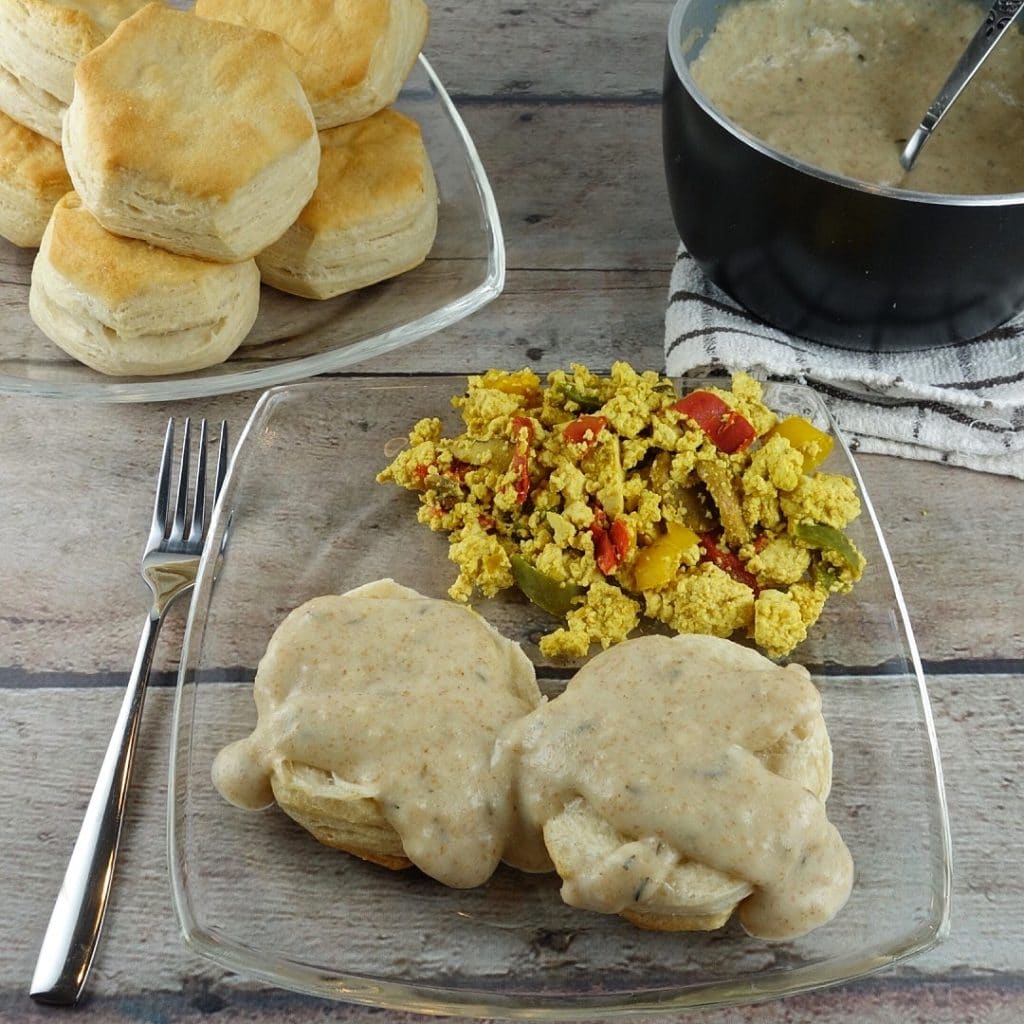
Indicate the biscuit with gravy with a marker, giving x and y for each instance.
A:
(352, 56)
(40, 44)
(378, 711)
(678, 779)
(680, 894)
(193, 135)
(32, 179)
(127, 308)
(373, 214)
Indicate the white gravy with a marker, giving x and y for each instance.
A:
(438, 718)
(841, 85)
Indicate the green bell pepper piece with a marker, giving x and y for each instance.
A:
(828, 538)
(554, 597)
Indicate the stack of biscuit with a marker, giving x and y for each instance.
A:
(192, 142)
(40, 44)
(374, 212)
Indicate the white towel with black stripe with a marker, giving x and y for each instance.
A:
(960, 404)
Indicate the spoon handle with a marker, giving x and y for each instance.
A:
(1000, 17)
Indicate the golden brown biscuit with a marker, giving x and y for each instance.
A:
(352, 56)
(32, 179)
(194, 135)
(125, 307)
(40, 44)
(373, 214)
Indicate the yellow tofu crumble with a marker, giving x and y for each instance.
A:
(613, 498)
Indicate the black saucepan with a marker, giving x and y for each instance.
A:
(822, 256)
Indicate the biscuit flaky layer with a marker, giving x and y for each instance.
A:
(352, 56)
(124, 307)
(40, 44)
(373, 214)
(194, 135)
(32, 179)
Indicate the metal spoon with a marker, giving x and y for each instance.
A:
(1000, 17)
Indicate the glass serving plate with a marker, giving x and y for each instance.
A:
(295, 338)
(301, 515)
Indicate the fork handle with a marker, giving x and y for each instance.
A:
(73, 932)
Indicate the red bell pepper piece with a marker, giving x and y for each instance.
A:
(604, 553)
(584, 429)
(728, 430)
(611, 543)
(727, 561)
(522, 438)
(620, 538)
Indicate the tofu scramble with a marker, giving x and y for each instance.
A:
(606, 499)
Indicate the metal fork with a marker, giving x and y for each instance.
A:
(169, 565)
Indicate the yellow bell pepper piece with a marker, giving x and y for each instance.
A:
(658, 562)
(814, 444)
(513, 382)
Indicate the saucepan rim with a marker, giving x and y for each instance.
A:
(675, 52)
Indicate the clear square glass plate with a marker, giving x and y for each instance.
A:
(304, 516)
(296, 338)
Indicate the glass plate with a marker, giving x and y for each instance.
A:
(293, 337)
(255, 893)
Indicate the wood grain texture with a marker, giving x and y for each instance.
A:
(568, 50)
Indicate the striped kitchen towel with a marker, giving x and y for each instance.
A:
(961, 404)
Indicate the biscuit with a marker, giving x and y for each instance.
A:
(682, 895)
(352, 56)
(124, 307)
(40, 44)
(338, 814)
(372, 216)
(32, 179)
(193, 135)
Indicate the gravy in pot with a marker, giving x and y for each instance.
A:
(841, 85)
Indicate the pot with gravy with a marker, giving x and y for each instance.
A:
(783, 121)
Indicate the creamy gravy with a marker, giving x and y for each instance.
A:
(438, 718)
(402, 696)
(657, 735)
(841, 85)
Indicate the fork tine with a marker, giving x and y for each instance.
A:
(158, 527)
(195, 533)
(222, 459)
(178, 527)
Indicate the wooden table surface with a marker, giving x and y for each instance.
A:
(563, 102)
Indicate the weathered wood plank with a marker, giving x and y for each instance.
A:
(572, 49)
(603, 203)
(885, 999)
